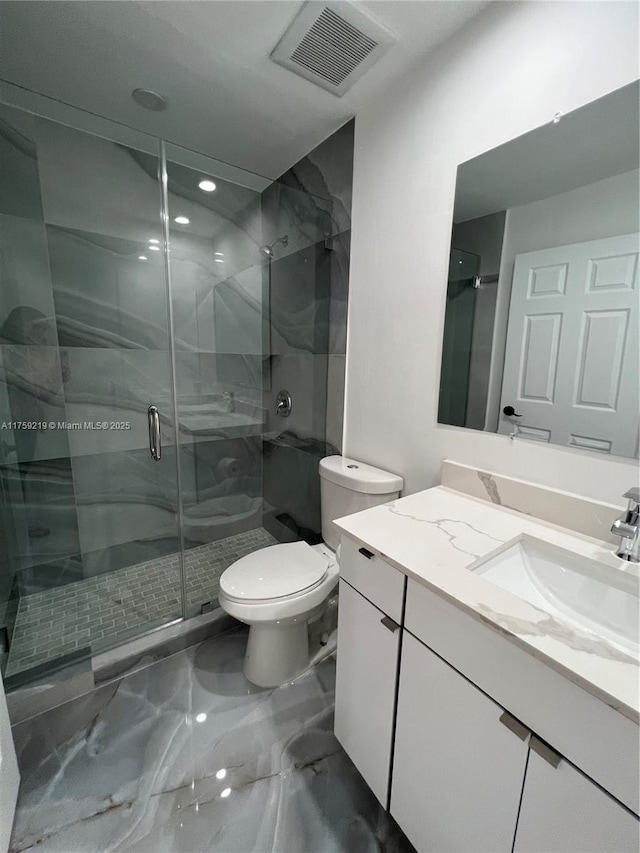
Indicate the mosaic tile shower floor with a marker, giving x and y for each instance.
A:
(104, 609)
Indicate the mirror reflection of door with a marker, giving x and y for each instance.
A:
(571, 359)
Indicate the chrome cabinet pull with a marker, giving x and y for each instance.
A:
(514, 726)
(388, 622)
(154, 433)
(545, 752)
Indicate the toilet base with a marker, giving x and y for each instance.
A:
(276, 653)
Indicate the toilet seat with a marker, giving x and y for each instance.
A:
(275, 573)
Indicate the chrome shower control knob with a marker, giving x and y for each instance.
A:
(283, 404)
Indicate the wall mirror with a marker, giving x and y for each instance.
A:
(541, 327)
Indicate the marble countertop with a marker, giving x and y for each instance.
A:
(435, 536)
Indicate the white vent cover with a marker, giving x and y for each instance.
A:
(332, 45)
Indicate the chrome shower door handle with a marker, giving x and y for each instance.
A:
(154, 433)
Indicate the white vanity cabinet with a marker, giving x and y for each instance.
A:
(449, 724)
(459, 760)
(367, 663)
(461, 765)
(563, 811)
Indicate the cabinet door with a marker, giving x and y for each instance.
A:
(458, 763)
(563, 811)
(367, 662)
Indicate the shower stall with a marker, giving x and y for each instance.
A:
(137, 348)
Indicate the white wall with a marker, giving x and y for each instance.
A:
(605, 208)
(507, 73)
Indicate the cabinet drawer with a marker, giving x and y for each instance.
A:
(373, 577)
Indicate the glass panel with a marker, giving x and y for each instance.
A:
(299, 286)
(217, 282)
(91, 520)
(458, 334)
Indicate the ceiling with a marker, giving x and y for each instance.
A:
(210, 59)
(589, 144)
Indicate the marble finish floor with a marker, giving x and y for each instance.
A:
(99, 611)
(186, 756)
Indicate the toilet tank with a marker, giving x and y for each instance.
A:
(347, 486)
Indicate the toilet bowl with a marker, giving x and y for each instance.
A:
(279, 591)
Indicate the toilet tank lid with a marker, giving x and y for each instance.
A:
(358, 476)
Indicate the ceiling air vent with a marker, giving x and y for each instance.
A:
(332, 45)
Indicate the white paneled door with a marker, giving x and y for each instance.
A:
(9, 776)
(571, 360)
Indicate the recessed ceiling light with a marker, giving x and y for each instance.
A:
(219, 261)
(154, 248)
(149, 100)
(200, 718)
(207, 186)
(153, 240)
(182, 220)
(143, 258)
(225, 793)
(221, 254)
(221, 774)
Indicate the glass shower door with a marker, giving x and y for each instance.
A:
(458, 336)
(91, 550)
(216, 283)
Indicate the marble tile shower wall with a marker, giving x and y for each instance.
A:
(308, 289)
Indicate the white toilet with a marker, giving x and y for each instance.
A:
(278, 591)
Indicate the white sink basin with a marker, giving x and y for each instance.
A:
(580, 592)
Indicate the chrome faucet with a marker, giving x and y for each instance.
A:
(627, 527)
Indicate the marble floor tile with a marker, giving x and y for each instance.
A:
(187, 756)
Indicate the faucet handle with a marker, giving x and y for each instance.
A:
(624, 529)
